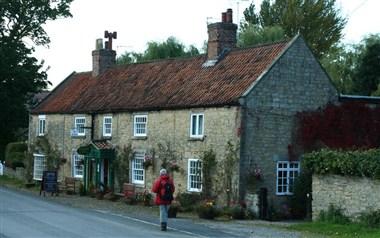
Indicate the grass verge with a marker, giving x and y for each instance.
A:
(326, 229)
(5, 180)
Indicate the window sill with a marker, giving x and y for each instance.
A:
(107, 137)
(139, 137)
(284, 194)
(78, 137)
(196, 138)
(139, 185)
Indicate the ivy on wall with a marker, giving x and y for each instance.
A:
(346, 163)
(346, 126)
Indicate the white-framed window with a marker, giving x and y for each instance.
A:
(287, 172)
(80, 123)
(39, 166)
(138, 168)
(107, 126)
(140, 125)
(77, 164)
(197, 125)
(194, 175)
(41, 125)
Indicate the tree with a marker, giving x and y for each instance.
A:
(366, 79)
(21, 75)
(170, 48)
(253, 35)
(318, 21)
(340, 63)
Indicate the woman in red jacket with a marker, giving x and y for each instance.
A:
(164, 188)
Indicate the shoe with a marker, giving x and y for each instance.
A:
(163, 226)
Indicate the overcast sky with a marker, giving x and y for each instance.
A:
(140, 21)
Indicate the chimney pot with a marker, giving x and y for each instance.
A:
(229, 15)
(224, 17)
(99, 44)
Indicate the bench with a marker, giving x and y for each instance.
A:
(129, 190)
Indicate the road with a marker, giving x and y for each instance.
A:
(24, 215)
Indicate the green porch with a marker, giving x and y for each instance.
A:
(98, 172)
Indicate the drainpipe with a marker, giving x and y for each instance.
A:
(242, 166)
(92, 126)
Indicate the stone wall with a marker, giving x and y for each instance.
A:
(295, 83)
(165, 127)
(353, 194)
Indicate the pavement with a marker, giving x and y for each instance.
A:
(187, 223)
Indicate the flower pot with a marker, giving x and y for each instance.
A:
(172, 212)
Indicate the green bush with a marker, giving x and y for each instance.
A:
(370, 219)
(347, 163)
(188, 201)
(300, 201)
(238, 212)
(333, 215)
(208, 210)
(15, 154)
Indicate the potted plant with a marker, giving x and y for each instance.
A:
(173, 209)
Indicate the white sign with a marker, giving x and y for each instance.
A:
(74, 132)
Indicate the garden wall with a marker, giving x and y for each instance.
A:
(353, 194)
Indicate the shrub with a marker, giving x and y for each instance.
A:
(300, 201)
(238, 212)
(333, 215)
(347, 163)
(15, 154)
(208, 210)
(188, 201)
(370, 219)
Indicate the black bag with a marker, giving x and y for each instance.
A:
(166, 194)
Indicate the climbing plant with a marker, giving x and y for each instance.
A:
(169, 159)
(346, 126)
(51, 153)
(121, 164)
(209, 164)
(229, 167)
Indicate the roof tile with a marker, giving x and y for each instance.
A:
(164, 84)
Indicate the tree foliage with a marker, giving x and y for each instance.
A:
(340, 63)
(355, 68)
(170, 48)
(21, 75)
(253, 35)
(318, 21)
(366, 78)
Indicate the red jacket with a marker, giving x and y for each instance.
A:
(156, 189)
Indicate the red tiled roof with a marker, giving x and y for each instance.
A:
(164, 84)
(103, 145)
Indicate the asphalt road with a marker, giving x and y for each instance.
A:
(23, 215)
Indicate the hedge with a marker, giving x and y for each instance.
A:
(15, 154)
(362, 163)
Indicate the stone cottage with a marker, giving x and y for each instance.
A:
(176, 109)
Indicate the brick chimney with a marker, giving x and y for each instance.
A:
(103, 58)
(221, 36)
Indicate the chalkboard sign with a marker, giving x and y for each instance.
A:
(49, 182)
